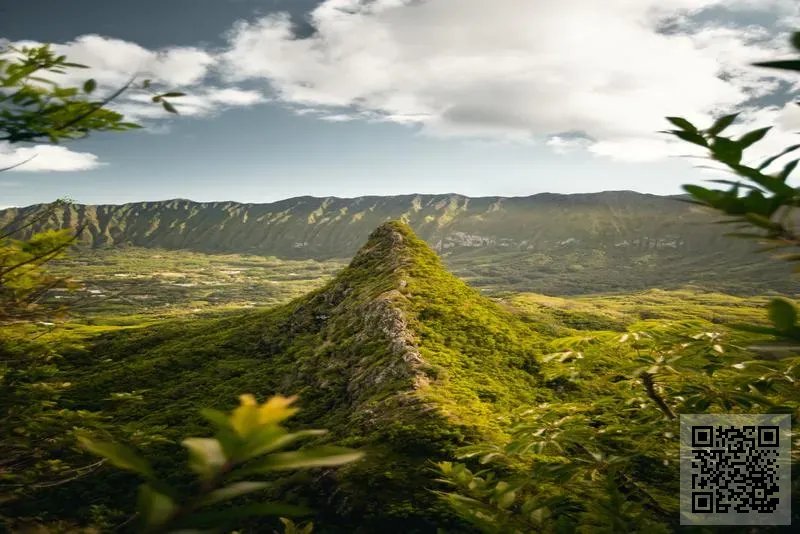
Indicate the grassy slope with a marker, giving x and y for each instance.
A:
(392, 355)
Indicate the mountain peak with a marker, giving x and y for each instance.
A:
(391, 248)
(395, 354)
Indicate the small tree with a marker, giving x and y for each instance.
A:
(35, 109)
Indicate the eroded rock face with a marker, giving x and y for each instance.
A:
(404, 360)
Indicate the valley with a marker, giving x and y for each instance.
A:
(409, 350)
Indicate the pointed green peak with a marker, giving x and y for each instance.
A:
(392, 249)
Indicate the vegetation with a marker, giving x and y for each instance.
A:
(601, 243)
(522, 413)
(605, 459)
(245, 446)
(34, 426)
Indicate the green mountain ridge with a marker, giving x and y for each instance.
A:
(549, 243)
(391, 356)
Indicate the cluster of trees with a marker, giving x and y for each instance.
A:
(575, 470)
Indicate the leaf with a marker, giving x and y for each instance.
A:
(217, 519)
(721, 123)
(119, 455)
(691, 137)
(89, 86)
(172, 95)
(244, 418)
(273, 438)
(206, 456)
(707, 196)
(683, 124)
(169, 107)
(785, 64)
(766, 163)
(726, 151)
(318, 457)
(155, 508)
(795, 41)
(761, 221)
(216, 417)
(231, 492)
(782, 314)
(787, 170)
(752, 137)
(290, 527)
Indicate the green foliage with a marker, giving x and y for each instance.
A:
(245, 445)
(23, 279)
(605, 454)
(33, 108)
(606, 457)
(36, 426)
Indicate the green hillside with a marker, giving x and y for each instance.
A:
(547, 243)
(391, 356)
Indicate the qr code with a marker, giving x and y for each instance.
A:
(735, 469)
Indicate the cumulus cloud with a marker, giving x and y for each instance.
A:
(46, 158)
(516, 69)
(112, 63)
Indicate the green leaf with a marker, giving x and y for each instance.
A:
(119, 455)
(216, 417)
(318, 457)
(89, 86)
(795, 41)
(761, 221)
(172, 95)
(154, 508)
(271, 439)
(707, 196)
(691, 137)
(767, 162)
(231, 492)
(218, 519)
(752, 137)
(206, 456)
(683, 124)
(782, 314)
(726, 151)
(169, 107)
(721, 124)
(290, 527)
(787, 170)
(786, 64)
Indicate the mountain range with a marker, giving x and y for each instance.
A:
(549, 243)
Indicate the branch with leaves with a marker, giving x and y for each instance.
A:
(35, 109)
(246, 444)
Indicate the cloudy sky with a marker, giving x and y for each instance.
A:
(365, 97)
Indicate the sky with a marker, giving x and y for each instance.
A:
(381, 97)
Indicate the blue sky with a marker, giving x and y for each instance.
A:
(347, 98)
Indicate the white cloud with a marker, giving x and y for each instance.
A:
(113, 62)
(46, 158)
(566, 145)
(515, 69)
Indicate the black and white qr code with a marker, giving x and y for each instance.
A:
(735, 469)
